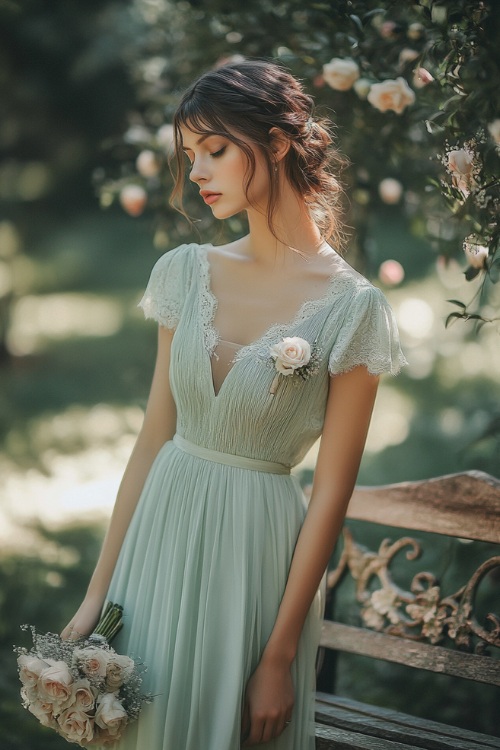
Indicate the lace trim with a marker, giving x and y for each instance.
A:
(208, 304)
(164, 295)
(339, 280)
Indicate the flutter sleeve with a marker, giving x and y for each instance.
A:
(168, 286)
(368, 336)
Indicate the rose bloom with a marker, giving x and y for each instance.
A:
(391, 273)
(476, 254)
(421, 78)
(118, 670)
(55, 682)
(91, 660)
(494, 130)
(407, 55)
(30, 668)
(110, 714)
(165, 136)
(460, 165)
(82, 696)
(362, 86)
(415, 31)
(387, 29)
(290, 354)
(147, 164)
(390, 190)
(44, 712)
(133, 199)
(391, 94)
(340, 74)
(75, 725)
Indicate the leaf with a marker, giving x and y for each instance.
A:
(457, 302)
(432, 127)
(451, 317)
(374, 12)
(357, 22)
(471, 273)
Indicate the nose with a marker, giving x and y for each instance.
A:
(198, 171)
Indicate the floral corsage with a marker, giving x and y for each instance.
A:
(82, 689)
(293, 356)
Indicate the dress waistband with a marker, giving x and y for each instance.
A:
(241, 462)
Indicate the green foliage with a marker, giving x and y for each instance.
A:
(447, 53)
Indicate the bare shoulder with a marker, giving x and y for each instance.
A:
(338, 264)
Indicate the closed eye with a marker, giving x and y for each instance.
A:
(218, 153)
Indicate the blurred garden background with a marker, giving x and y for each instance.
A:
(87, 92)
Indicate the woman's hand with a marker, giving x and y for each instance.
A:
(84, 621)
(268, 704)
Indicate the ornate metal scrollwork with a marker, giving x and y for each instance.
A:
(422, 613)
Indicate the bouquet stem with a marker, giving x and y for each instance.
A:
(111, 622)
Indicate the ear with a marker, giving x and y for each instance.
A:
(280, 143)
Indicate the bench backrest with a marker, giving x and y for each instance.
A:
(424, 626)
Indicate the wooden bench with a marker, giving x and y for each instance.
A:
(416, 624)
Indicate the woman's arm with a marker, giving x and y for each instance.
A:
(158, 427)
(269, 696)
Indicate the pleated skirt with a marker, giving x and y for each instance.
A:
(201, 575)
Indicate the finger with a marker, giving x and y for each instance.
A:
(66, 631)
(245, 722)
(270, 731)
(255, 734)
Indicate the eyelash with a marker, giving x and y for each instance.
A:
(215, 155)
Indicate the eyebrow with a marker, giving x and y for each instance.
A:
(200, 140)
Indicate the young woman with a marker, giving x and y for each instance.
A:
(264, 344)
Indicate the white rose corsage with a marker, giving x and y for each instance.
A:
(293, 356)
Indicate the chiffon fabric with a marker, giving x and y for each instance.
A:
(205, 560)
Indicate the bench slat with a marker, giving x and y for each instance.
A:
(360, 723)
(411, 653)
(340, 739)
(458, 505)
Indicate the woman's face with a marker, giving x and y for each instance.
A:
(220, 169)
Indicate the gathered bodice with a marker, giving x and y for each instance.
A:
(223, 391)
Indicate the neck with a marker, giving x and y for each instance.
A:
(293, 226)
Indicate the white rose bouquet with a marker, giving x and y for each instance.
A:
(82, 689)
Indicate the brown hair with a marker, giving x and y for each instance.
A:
(251, 98)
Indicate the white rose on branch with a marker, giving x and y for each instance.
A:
(476, 254)
(391, 94)
(340, 74)
(460, 165)
(494, 130)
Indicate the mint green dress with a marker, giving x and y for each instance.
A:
(205, 560)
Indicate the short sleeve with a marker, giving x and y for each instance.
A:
(168, 286)
(368, 336)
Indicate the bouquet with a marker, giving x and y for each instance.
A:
(82, 689)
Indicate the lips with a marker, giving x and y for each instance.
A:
(209, 196)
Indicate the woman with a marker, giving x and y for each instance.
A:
(263, 344)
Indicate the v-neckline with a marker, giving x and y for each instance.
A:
(210, 303)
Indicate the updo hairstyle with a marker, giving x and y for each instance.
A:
(250, 98)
